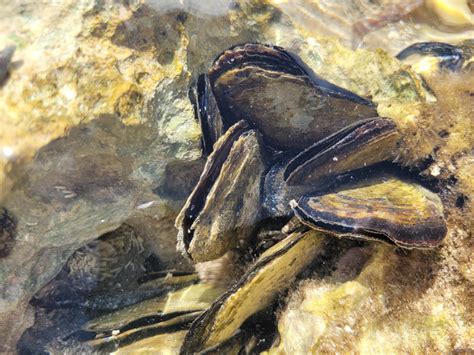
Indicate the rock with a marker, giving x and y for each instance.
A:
(395, 304)
(7, 232)
(106, 266)
(389, 24)
(91, 123)
(97, 131)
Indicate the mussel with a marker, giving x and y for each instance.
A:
(6, 55)
(385, 209)
(207, 113)
(450, 57)
(149, 318)
(362, 144)
(223, 209)
(255, 290)
(254, 81)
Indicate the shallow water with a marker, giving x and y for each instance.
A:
(100, 150)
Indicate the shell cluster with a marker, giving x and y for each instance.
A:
(276, 136)
(279, 142)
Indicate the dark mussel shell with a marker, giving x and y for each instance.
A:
(451, 57)
(362, 144)
(223, 209)
(359, 145)
(207, 113)
(6, 55)
(143, 320)
(387, 209)
(276, 193)
(276, 92)
(197, 198)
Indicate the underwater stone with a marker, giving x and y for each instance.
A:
(97, 100)
(46, 101)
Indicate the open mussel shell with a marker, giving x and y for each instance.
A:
(389, 210)
(223, 209)
(357, 146)
(276, 92)
(270, 274)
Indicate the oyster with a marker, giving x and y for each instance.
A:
(254, 82)
(389, 209)
(223, 209)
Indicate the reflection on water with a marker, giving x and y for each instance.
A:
(194, 7)
(392, 25)
(100, 149)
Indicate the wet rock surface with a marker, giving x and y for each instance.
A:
(91, 132)
(99, 133)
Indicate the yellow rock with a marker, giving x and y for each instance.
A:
(393, 306)
(76, 79)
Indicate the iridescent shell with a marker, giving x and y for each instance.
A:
(277, 93)
(357, 146)
(389, 210)
(360, 145)
(151, 317)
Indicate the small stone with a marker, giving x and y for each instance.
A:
(435, 170)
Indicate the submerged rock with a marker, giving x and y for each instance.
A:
(91, 123)
(93, 134)
(389, 24)
(395, 304)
